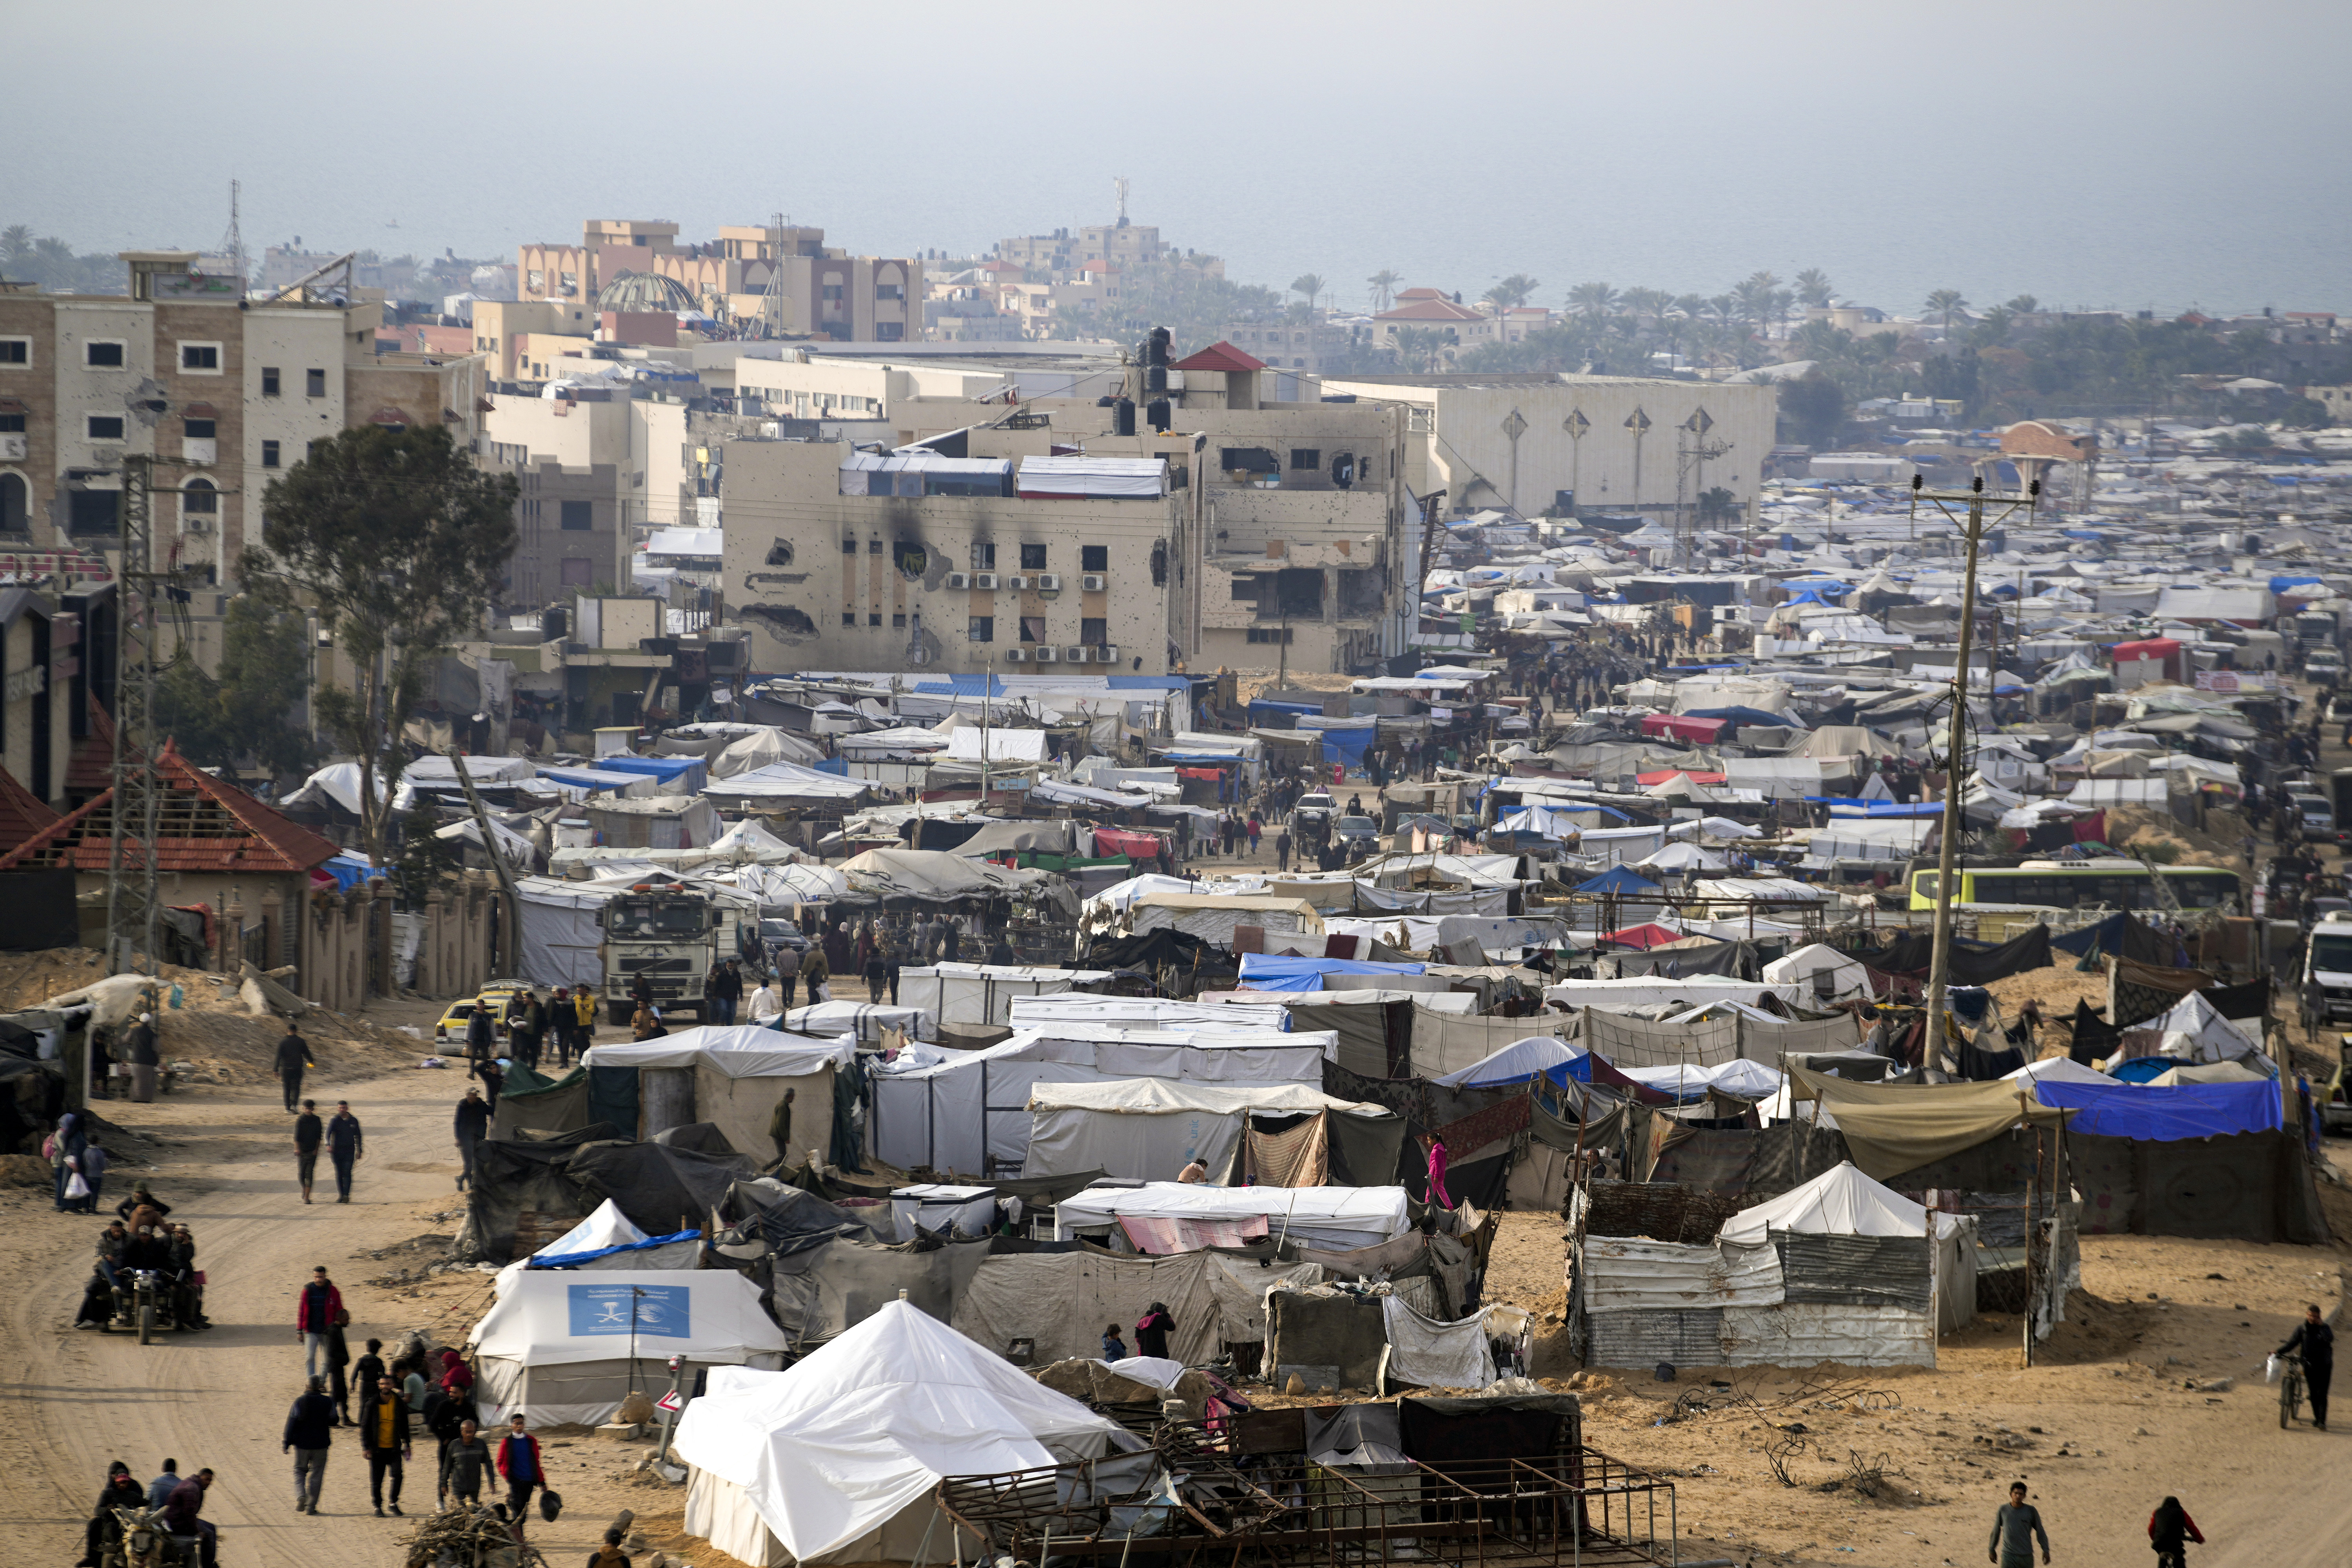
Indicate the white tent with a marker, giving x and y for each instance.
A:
(1515, 1063)
(2195, 1031)
(1336, 1219)
(1711, 827)
(1683, 858)
(739, 1073)
(558, 1345)
(1738, 1077)
(1807, 965)
(982, 994)
(1145, 1127)
(1841, 1201)
(836, 1458)
(2059, 1069)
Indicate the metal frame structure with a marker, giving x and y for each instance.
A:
(1581, 1507)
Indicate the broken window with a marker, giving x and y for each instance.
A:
(983, 555)
(1032, 558)
(1094, 630)
(911, 558)
(1297, 591)
(1033, 629)
(1160, 564)
(780, 553)
(1248, 460)
(982, 629)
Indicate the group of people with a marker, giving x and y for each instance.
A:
(1151, 1332)
(340, 1135)
(180, 1499)
(142, 1239)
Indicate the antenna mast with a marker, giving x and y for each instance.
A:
(771, 298)
(233, 242)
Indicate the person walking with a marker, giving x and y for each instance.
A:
(368, 1369)
(714, 995)
(816, 970)
(338, 1357)
(559, 1025)
(140, 1052)
(293, 1060)
(519, 1464)
(65, 1147)
(309, 1428)
(1255, 828)
(92, 1172)
(344, 1147)
(471, 1126)
(464, 1463)
(951, 940)
(768, 1001)
(2015, 1527)
(1151, 1332)
(1282, 851)
(584, 1016)
(384, 1440)
(317, 1305)
(731, 989)
(308, 1133)
(1113, 1347)
(2317, 1342)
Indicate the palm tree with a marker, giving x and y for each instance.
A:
(1420, 348)
(16, 242)
(53, 263)
(1384, 284)
(1511, 292)
(1307, 283)
(1946, 303)
(1592, 299)
(1814, 286)
(1653, 303)
(2024, 305)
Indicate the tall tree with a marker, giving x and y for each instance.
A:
(1420, 348)
(1511, 292)
(399, 541)
(2024, 305)
(1307, 283)
(1592, 299)
(1384, 284)
(242, 712)
(1814, 286)
(16, 243)
(1946, 303)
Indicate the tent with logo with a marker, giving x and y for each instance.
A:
(566, 1347)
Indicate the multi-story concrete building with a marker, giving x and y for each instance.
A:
(1269, 532)
(1614, 443)
(818, 291)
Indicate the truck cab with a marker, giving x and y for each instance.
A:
(2324, 666)
(664, 937)
(2327, 971)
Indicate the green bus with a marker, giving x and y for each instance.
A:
(2077, 885)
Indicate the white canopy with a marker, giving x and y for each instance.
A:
(787, 781)
(2059, 1069)
(1158, 1096)
(1515, 1063)
(737, 1050)
(1318, 1216)
(1841, 1201)
(1682, 858)
(1710, 828)
(2196, 1030)
(1145, 1127)
(556, 1317)
(1739, 1077)
(1847, 976)
(833, 1448)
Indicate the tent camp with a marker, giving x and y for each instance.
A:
(1822, 970)
(1212, 917)
(835, 1459)
(567, 1347)
(730, 1075)
(1145, 1127)
(982, 994)
(1339, 1219)
(608, 1239)
(969, 1114)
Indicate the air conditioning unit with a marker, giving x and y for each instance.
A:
(13, 445)
(1017, 584)
(1076, 654)
(984, 581)
(1016, 655)
(1093, 581)
(198, 524)
(1107, 655)
(1045, 656)
(1047, 582)
(959, 580)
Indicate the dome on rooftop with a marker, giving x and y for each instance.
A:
(645, 293)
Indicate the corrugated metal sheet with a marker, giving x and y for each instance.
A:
(1855, 1270)
(1806, 1333)
(1626, 1273)
(1686, 1338)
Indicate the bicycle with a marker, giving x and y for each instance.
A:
(2290, 1389)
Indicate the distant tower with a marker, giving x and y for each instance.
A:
(232, 244)
(1118, 184)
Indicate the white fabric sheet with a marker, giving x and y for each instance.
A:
(1841, 1201)
(1374, 1213)
(1434, 1353)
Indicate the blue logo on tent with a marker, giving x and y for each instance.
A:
(661, 1311)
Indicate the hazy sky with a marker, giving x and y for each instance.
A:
(2149, 155)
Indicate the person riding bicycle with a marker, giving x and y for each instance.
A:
(2169, 1530)
(2317, 1342)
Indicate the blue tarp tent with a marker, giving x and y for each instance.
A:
(1346, 746)
(1263, 705)
(1848, 805)
(575, 1259)
(1747, 716)
(349, 871)
(680, 775)
(1619, 882)
(1268, 971)
(2164, 1115)
(2281, 584)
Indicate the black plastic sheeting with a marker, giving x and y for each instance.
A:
(793, 1220)
(1750, 1166)
(1535, 1429)
(1209, 966)
(827, 1289)
(1972, 962)
(2096, 1040)
(533, 1174)
(2122, 933)
(39, 911)
(613, 1098)
(1342, 1335)
(661, 1187)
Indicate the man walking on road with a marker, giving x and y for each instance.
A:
(308, 1133)
(319, 1305)
(463, 1464)
(383, 1438)
(518, 1463)
(343, 1148)
(293, 1057)
(472, 1125)
(310, 1427)
(2317, 1342)
(2015, 1527)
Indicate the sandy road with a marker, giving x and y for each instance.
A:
(74, 1399)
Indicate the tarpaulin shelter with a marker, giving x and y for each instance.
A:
(1822, 970)
(1705, 731)
(970, 1114)
(529, 1176)
(982, 994)
(607, 1240)
(730, 1075)
(565, 1347)
(824, 1290)
(1971, 963)
(1337, 1218)
(1060, 1300)
(1890, 1128)
(2165, 1115)
(1619, 882)
(1213, 917)
(1149, 1127)
(1284, 972)
(531, 1102)
(835, 1459)
(661, 1187)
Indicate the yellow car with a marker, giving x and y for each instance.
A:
(452, 1025)
(494, 996)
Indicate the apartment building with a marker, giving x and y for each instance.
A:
(818, 291)
(1267, 532)
(598, 466)
(223, 392)
(1622, 444)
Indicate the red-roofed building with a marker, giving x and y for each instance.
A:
(22, 814)
(1221, 357)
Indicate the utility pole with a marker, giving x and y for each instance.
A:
(1948, 851)
(133, 902)
(513, 944)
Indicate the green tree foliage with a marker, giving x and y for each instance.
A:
(221, 721)
(1717, 504)
(1812, 407)
(1512, 292)
(2306, 414)
(1814, 286)
(1384, 284)
(52, 264)
(2245, 438)
(399, 541)
(1310, 284)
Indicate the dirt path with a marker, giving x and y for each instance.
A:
(74, 1401)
